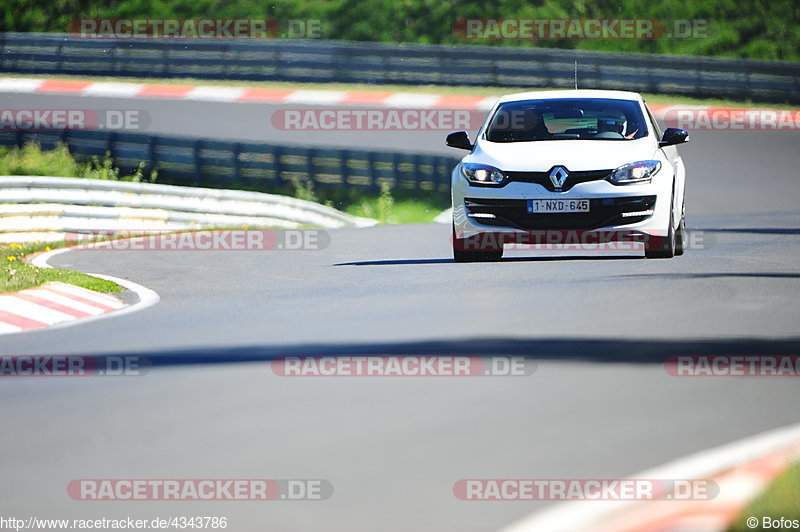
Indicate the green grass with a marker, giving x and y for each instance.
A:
(416, 89)
(15, 274)
(780, 499)
(391, 206)
(32, 160)
(400, 212)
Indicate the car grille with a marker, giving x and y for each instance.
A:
(543, 178)
(602, 213)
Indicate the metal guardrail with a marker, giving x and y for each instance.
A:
(57, 205)
(246, 165)
(352, 62)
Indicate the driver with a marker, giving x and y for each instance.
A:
(611, 121)
(534, 125)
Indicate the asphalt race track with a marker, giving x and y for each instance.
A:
(600, 403)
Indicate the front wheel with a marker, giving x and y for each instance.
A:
(661, 247)
(484, 253)
(477, 256)
(680, 237)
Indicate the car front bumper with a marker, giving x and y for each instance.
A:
(617, 212)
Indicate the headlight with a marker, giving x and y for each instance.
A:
(482, 174)
(638, 172)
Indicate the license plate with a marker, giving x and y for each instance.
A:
(551, 206)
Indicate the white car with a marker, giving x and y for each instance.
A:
(570, 166)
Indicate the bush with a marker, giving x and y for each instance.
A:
(59, 162)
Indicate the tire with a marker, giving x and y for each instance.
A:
(484, 255)
(680, 236)
(662, 247)
(477, 256)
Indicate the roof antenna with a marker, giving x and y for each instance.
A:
(576, 74)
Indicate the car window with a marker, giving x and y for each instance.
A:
(568, 118)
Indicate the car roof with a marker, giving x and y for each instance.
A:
(580, 93)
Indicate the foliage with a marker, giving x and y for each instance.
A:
(32, 160)
(757, 29)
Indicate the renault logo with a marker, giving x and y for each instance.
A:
(558, 176)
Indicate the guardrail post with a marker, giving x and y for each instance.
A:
(237, 164)
(444, 167)
(115, 56)
(110, 146)
(278, 66)
(198, 171)
(165, 65)
(152, 153)
(373, 179)
(344, 168)
(344, 64)
(494, 73)
(277, 164)
(748, 86)
(402, 159)
(395, 169)
(310, 165)
(417, 170)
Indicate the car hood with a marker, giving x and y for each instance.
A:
(576, 155)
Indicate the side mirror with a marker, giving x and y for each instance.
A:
(460, 140)
(672, 136)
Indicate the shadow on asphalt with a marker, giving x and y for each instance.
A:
(588, 350)
(401, 262)
(757, 230)
(709, 275)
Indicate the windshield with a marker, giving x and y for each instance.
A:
(568, 118)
